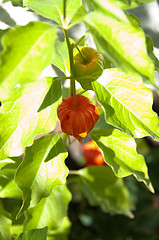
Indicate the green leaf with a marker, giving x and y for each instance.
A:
(61, 57)
(151, 52)
(122, 42)
(131, 3)
(2, 32)
(54, 9)
(102, 188)
(61, 233)
(8, 188)
(17, 2)
(51, 211)
(109, 7)
(134, 20)
(78, 17)
(34, 234)
(5, 224)
(41, 170)
(27, 51)
(5, 17)
(119, 152)
(19, 120)
(127, 104)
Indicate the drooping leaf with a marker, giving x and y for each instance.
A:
(127, 104)
(122, 42)
(134, 20)
(51, 211)
(54, 9)
(102, 188)
(5, 17)
(20, 120)
(34, 234)
(27, 51)
(120, 153)
(35, 177)
(151, 52)
(5, 224)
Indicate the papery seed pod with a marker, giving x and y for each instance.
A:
(92, 154)
(77, 118)
(88, 66)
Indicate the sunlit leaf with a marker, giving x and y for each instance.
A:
(151, 52)
(61, 57)
(102, 188)
(20, 120)
(110, 7)
(122, 42)
(127, 104)
(2, 32)
(54, 9)
(27, 51)
(51, 211)
(119, 152)
(131, 3)
(34, 234)
(42, 169)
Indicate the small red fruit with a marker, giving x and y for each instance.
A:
(92, 154)
(78, 117)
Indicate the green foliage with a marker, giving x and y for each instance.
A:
(32, 48)
(36, 185)
(34, 234)
(120, 152)
(51, 211)
(101, 187)
(5, 223)
(121, 41)
(20, 119)
(34, 176)
(61, 57)
(134, 106)
(8, 188)
(54, 9)
(132, 3)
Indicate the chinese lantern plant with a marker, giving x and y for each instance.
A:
(77, 115)
(92, 154)
(88, 66)
(38, 183)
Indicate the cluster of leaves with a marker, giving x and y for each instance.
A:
(35, 182)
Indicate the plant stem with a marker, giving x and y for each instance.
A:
(80, 39)
(72, 79)
(64, 9)
(73, 172)
(70, 51)
(61, 78)
(64, 136)
(82, 55)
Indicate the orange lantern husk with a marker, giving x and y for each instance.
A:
(92, 154)
(78, 117)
